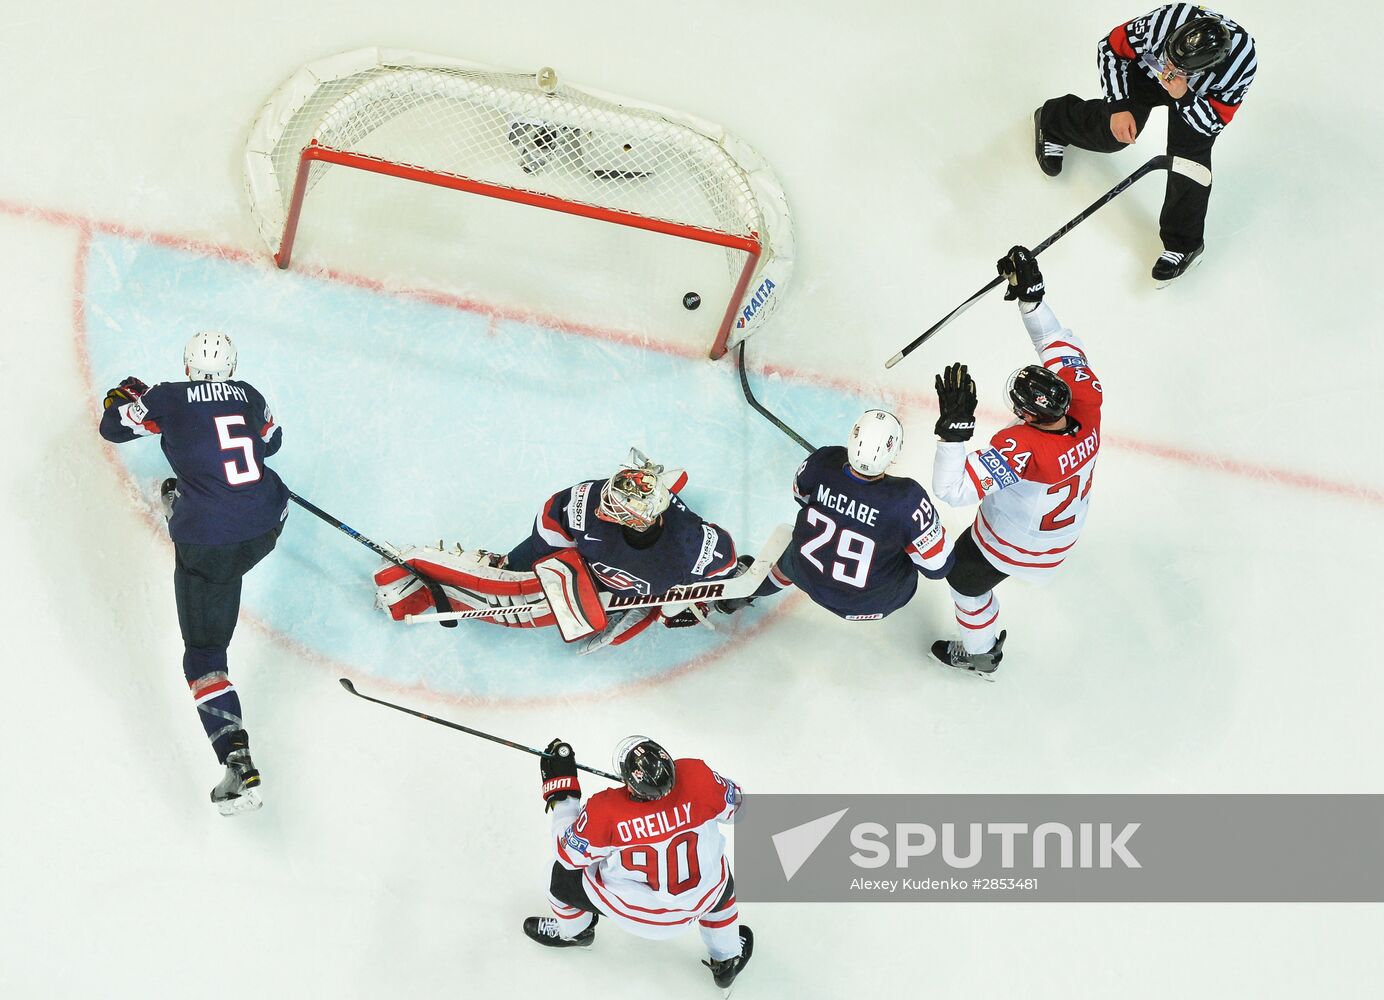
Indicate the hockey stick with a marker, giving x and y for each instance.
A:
(749, 398)
(1176, 164)
(743, 585)
(438, 595)
(467, 729)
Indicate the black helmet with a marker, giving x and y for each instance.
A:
(1198, 44)
(1036, 391)
(646, 768)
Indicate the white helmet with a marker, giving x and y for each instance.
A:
(638, 494)
(209, 357)
(876, 440)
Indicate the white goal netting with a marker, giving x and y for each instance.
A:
(530, 138)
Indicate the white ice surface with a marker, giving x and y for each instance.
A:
(1211, 633)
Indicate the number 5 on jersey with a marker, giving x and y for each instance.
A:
(235, 475)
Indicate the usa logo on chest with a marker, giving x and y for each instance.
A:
(618, 579)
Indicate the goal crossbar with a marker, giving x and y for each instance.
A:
(525, 139)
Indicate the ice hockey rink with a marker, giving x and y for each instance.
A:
(440, 365)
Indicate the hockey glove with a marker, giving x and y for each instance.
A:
(558, 766)
(956, 403)
(1025, 280)
(126, 392)
(687, 617)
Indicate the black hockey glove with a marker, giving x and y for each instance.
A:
(956, 403)
(1025, 280)
(126, 392)
(687, 617)
(558, 765)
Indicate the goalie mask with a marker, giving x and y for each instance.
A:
(637, 495)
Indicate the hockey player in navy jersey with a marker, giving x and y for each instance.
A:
(635, 535)
(227, 509)
(862, 536)
(630, 535)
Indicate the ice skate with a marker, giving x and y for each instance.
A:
(619, 623)
(1171, 264)
(544, 931)
(238, 790)
(953, 654)
(1049, 154)
(725, 971)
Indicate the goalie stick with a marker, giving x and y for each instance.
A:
(1175, 164)
(468, 730)
(438, 595)
(743, 585)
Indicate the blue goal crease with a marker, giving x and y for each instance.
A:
(413, 422)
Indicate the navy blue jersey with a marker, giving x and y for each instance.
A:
(216, 435)
(686, 549)
(859, 545)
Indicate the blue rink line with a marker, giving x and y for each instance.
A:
(414, 421)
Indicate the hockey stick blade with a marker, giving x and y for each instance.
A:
(346, 683)
(743, 585)
(434, 588)
(1194, 171)
(761, 409)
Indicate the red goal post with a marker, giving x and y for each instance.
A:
(530, 139)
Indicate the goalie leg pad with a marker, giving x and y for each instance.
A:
(468, 581)
(572, 594)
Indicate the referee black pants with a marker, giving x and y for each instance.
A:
(1070, 121)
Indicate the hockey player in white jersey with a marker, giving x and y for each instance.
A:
(649, 855)
(1033, 479)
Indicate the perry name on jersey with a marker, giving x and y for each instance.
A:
(657, 866)
(1033, 485)
(858, 545)
(216, 436)
(682, 549)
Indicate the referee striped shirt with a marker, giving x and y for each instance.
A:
(1213, 96)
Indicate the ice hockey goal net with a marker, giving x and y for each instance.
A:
(525, 138)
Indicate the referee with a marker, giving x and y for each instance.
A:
(1197, 63)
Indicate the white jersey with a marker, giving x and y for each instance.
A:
(1033, 485)
(653, 867)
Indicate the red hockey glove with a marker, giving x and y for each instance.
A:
(558, 766)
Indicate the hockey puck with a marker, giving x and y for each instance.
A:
(691, 300)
